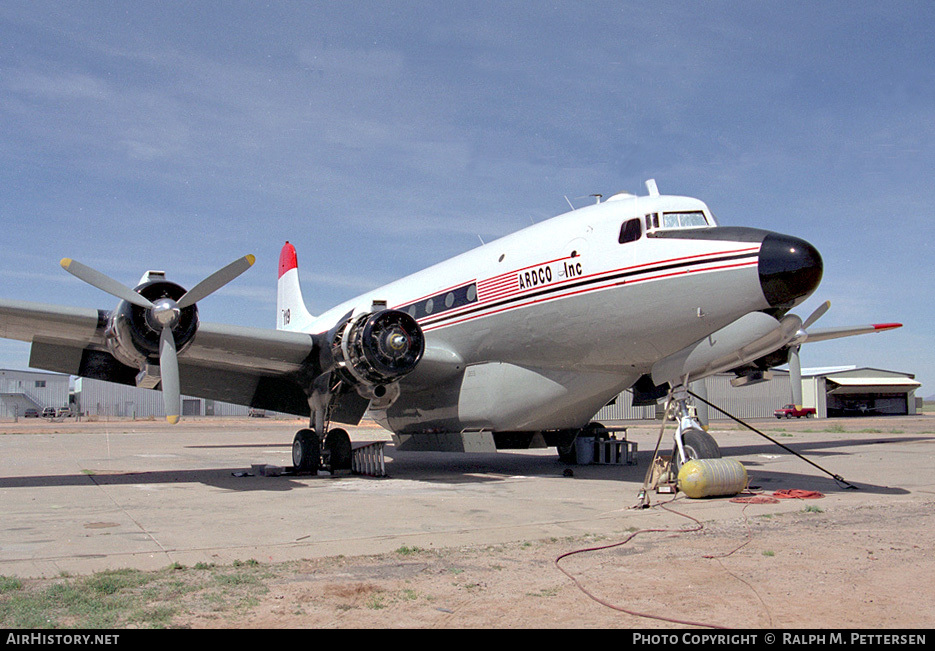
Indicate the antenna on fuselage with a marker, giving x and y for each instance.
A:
(597, 197)
(651, 186)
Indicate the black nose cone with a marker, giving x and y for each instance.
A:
(789, 268)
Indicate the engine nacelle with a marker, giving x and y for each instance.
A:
(373, 350)
(750, 337)
(132, 335)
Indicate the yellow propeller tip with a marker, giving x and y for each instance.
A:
(251, 259)
(172, 419)
(65, 262)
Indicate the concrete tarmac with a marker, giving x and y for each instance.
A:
(82, 497)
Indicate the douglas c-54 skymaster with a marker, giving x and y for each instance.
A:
(514, 344)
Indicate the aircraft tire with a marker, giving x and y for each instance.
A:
(338, 444)
(595, 429)
(699, 444)
(306, 451)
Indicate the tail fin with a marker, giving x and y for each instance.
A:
(291, 312)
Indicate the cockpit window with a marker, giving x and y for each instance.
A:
(630, 231)
(690, 219)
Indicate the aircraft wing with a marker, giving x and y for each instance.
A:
(28, 321)
(250, 366)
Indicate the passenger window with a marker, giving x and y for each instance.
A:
(630, 231)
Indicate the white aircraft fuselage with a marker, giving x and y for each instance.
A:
(540, 329)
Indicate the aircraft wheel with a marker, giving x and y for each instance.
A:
(306, 451)
(698, 444)
(338, 445)
(595, 429)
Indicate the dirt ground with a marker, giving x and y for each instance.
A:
(865, 568)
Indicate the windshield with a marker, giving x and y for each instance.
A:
(688, 219)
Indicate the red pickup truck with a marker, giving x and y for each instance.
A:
(791, 410)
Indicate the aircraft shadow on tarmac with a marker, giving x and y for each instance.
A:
(817, 448)
(440, 467)
(810, 477)
(811, 480)
(461, 468)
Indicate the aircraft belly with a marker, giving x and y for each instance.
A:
(501, 397)
(508, 397)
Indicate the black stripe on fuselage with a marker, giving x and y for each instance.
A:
(442, 302)
(620, 277)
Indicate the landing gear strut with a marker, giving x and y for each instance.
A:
(691, 440)
(307, 444)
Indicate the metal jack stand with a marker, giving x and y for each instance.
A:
(643, 497)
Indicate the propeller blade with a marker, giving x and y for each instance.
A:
(216, 280)
(795, 375)
(817, 314)
(169, 373)
(104, 283)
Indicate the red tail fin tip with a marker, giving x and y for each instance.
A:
(287, 259)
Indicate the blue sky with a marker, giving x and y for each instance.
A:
(382, 137)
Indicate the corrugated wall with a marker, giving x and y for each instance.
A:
(755, 401)
(99, 398)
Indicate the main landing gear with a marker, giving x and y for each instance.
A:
(311, 452)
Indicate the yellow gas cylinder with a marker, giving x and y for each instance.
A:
(712, 477)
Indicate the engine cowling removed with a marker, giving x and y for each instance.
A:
(372, 350)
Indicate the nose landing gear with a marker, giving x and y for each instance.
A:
(691, 439)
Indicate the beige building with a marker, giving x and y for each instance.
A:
(833, 392)
(33, 390)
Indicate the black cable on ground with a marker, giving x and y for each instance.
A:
(837, 478)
